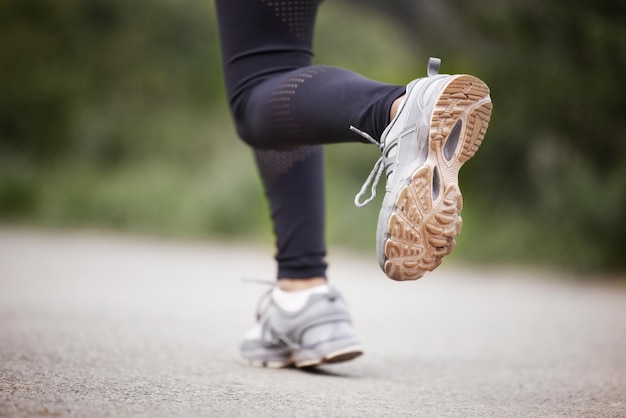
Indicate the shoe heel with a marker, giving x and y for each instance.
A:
(478, 121)
(463, 108)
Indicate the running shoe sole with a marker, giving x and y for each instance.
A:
(327, 353)
(300, 360)
(425, 221)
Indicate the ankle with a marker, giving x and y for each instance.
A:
(395, 106)
(294, 285)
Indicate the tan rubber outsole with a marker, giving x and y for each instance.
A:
(339, 356)
(427, 216)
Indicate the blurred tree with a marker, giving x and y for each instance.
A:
(84, 76)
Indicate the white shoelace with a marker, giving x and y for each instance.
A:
(377, 172)
(374, 176)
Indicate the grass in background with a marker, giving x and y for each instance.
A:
(218, 195)
(196, 189)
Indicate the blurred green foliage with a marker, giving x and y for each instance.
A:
(112, 114)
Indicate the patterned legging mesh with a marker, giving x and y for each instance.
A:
(286, 108)
(279, 105)
(294, 184)
(298, 15)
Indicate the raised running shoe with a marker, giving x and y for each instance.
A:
(439, 126)
(320, 332)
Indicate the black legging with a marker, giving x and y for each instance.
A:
(286, 108)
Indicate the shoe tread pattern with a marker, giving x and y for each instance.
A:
(424, 225)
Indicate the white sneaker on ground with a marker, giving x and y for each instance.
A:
(320, 332)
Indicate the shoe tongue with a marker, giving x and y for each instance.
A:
(294, 301)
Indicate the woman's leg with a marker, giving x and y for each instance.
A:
(285, 108)
(267, 55)
(277, 98)
(294, 185)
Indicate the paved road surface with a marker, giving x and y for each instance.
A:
(102, 325)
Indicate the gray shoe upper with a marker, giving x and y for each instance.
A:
(405, 140)
(323, 321)
(404, 146)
